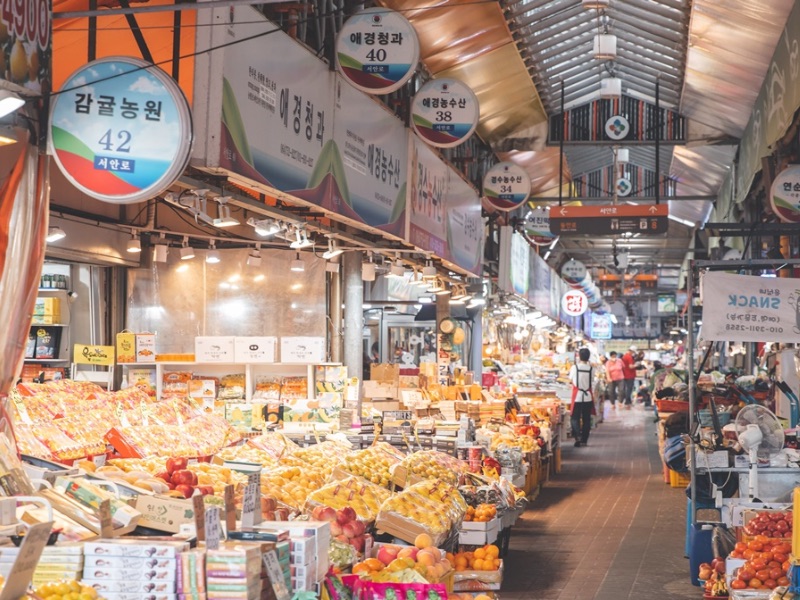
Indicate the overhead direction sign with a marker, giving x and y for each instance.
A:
(609, 219)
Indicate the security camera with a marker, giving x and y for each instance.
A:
(72, 296)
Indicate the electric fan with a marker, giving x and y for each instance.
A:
(758, 427)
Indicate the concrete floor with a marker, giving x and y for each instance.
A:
(607, 527)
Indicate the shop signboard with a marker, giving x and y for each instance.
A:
(784, 195)
(445, 112)
(574, 303)
(374, 150)
(120, 130)
(26, 29)
(602, 326)
(537, 226)
(377, 50)
(609, 219)
(93, 355)
(506, 186)
(445, 210)
(539, 287)
(514, 268)
(750, 309)
(666, 304)
(573, 271)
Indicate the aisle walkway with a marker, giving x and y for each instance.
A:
(607, 527)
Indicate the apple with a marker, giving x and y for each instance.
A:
(342, 538)
(349, 514)
(163, 475)
(408, 552)
(387, 554)
(269, 515)
(359, 527)
(349, 530)
(282, 514)
(206, 490)
(268, 503)
(185, 477)
(176, 464)
(184, 489)
(336, 529)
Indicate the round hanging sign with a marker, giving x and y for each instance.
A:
(574, 303)
(624, 186)
(537, 226)
(445, 112)
(573, 271)
(617, 127)
(120, 130)
(506, 186)
(377, 50)
(784, 195)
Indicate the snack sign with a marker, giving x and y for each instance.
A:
(120, 130)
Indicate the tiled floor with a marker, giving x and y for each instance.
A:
(607, 527)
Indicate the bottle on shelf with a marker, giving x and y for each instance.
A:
(46, 281)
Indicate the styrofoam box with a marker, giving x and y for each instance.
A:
(481, 535)
(140, 596)
(480, 525)
(302, 349)
(258, 349)
(214, 349)
(129, 562)
(303, 584)
(131, 587)
(130, 574)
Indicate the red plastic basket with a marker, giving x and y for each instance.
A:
(672, 406)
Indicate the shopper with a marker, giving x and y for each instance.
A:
(615, 378)
(629, 373)
(600, 388)
(582, 408)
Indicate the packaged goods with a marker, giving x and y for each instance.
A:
(363, 497)
(428, 464)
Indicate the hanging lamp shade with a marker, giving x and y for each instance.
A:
(605, 46)
(611, 87)
(595, 4)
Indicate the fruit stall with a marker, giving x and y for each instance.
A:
(160, 497)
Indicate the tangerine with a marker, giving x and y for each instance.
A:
(423, 540)
(373, 564)
(492, 551)
(480, 553)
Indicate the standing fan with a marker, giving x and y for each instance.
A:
(758, 427)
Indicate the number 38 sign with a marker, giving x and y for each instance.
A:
(120, 130)
(445, 112)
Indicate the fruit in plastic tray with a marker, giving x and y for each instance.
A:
(249, 454)
(66, 590)
(481, 513)
(363, 497)
(430, 464)
(291, 485)
(416, 505)
(324, 456)
(393, 562)
(767, 564)
(373, 464)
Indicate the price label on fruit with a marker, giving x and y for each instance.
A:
(21, 573)
(276, 575)
(251, 501)
(213, 527)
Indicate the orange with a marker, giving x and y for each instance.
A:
(423, 540)
(450, 558)
(477, 565)
(373, 564)
(492, 551)
(480, 553)
(461, 561)
(361, 568)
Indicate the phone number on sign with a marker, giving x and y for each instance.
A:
(756, 328)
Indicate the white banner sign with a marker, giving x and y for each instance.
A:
(743, 308)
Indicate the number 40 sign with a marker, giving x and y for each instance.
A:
(120, 130)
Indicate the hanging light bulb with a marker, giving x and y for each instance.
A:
(160, 250)
(212, 256)
(134, 244)
(297, 264)
(254, 258)
(187, 252)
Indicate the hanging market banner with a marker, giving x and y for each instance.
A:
(745, 308)
(537, 226)
(374, 148)
(506, 186)
(377, 50)
(120, 130)
(601, 327)
(539, 286)
(26, 29)
(784, 195)
(514, 268)
(445, 215)
(445, 112)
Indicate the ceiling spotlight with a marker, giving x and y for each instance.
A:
(254, 258)
(134, 244)
(213, 254)
(9, 102)
(54, 234)
(428, 270)
(160, 250)
(301, 240)
(264, 227)
(194, 202)
(397, 269)
(224, 218)
(187, 252)
(298, 264)
(333, 250)
(368, 270)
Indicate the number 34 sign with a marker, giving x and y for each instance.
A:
(120, 130)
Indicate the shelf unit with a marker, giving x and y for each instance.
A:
(251, 371)
(63, 349)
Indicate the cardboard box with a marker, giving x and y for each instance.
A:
(145, 347)
(49, 307)
(302, 350)
(472, 581)
(103, 573)
(377, 389)
(214, 349)
(385, 372)
(136, 547)
(128, 562)
(164, 513)
(255, 349)
(126, 347)
(115, 586)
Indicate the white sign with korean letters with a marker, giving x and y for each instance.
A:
(744, 308)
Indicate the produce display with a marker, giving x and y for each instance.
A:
(154, 473)
(714, 576)
(363, 497)
(373, 464)
(324, 456)
(433, 506)
(291, 485)
(486, 558)
(421, 562)
(767, 563)
(66, 590)
(773, 524)
(345, 525)
(481, 513)
(429, 464)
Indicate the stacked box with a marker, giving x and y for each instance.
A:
(131, 569)
(236, 572)
(191, 580)
(309, 542)
(284, 552)
(56, 564)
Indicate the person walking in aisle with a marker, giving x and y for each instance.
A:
(629, 373)
(600, 388)
(582, 408)
(615, 378)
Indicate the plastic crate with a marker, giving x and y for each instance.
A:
(678, 480)
(672, 406)
(704, 416)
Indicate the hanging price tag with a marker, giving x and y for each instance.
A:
(251, 502)
(106, 524)
(276, 575)
(230, 508)
(213, 527)
(199, 510)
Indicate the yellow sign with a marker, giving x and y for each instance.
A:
(94, 355)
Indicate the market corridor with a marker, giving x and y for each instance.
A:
(607, 527)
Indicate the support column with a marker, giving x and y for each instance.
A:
(353, 354)
(475, 363)
(335, 314)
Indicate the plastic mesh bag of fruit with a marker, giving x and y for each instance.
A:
(363, 497)
(371, 590)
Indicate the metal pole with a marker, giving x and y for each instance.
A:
(561, 149)
(690, 341)
(658, 138)
(335, 316)
(353, 353)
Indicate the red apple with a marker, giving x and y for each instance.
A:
(282, 514)
(359, 527)
(176, 464)
(358, 543)
(349, 530)
(185, 477)
(269, 515)
(387, 554)
(184, 489)
(163, 475)
(344, 539)
(336, 529)
(345, 515)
